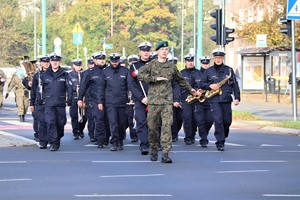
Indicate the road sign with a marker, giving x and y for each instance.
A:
(293, 9)
(109, 46)
(261, 40)
(77, 28)
(77, 38)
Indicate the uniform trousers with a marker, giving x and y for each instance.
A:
(141, 123)
(117, 121)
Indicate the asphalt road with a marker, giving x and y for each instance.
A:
(256, 164)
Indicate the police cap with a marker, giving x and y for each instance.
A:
(145, 46)
(162, 44)
(189, 57)
(90, 61)
(43, 58)
(218, 52)
(55, 56)
(133, 58)
(205, 59)
(77, 62)
(114, 57)
(153, 55)
(99, 55)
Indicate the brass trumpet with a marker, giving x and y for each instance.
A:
(211, 93)
(192, 99)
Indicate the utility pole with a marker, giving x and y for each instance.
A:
(44, 49)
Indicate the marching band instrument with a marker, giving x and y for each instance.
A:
(212, 93)
(81, 110)
(192, 99)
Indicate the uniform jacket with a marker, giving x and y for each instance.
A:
(113, 89)
(216, 74)
(135, 86)
(16, 83)
(36, 87)
(90, 83)
(186, 74)
(195, 82)
(160, 92)
(2, 79)
(56, 88)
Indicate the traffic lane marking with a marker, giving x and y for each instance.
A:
(241, 171)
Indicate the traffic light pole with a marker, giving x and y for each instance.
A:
(223, 25)
(294, 82)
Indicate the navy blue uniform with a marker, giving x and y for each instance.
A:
(130, 115)
(140, 109)
(177, 113)
(89, 85)
(113, 91)
(202, 110)
(77, 126)
(221, 104)
(55, 87)
(88, 112)
(189, 123)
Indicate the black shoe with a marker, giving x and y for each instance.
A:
(43, 146)
(92, 140)
(165, 158)
(134, 139)
(153, 157)
(100, 146)
(220, 148)
(193, 140)
(144, 150)
(188, 141)
(174, 139)
(22, 119)
(106, 143)
(54, 147)
(203, 143)
(114, 147)
(76, 137)
(159, 147)
(81, 134)
(120, 146)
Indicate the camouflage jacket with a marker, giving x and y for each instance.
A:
(160, 92)
(16, 83)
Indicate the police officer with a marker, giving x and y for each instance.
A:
(37, 106)
(160, 74)
(90, 62)
(132, 59)
(139, 91)
(55, 85)
(189, 123)
(202, 110)
(75, 77)
(220, 77)
(113, 91)
(89, 85)
(22, 94)
(2, 83)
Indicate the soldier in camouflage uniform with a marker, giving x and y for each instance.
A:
(160, 74)
(2, 82)
(22, 94)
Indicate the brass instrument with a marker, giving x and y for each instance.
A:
(192, 99)
(30, 68)
(81, 110)
(212, 93)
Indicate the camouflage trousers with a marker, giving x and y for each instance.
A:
(22, 103)
(1, 94)
(160, 115)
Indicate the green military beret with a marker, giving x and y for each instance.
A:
(161, 44)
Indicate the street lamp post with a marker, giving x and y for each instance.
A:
(111, 18)
(34, 27)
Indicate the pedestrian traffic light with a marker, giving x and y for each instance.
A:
(227, 38)
(287, 29)
(217, 26)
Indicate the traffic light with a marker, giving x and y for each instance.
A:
(288, 26)
(227, 38)
(217, 26)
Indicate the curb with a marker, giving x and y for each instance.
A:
(11, 140)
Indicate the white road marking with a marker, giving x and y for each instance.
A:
(253, 161)
(281, 195)
(229, 144)
(212, 151)
(15, 122)
(124, 195)
(12, 162)
(240, 171)
(271, 145)
(10, 180)
(288, 151)
(131, 175)
(120, 161)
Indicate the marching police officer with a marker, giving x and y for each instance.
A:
(113, 91)
(89, 85)
(160, 74)
(78, 125)
(2, 82)
(202, 107)
(139, 91)
(189, 123)
(55, 85)
(220, 77)
(37, 107)
(90, 62)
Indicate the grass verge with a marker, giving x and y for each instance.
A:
(242, 115)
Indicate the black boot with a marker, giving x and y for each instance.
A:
(165, 158)
(153, 155)
(21, 118)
